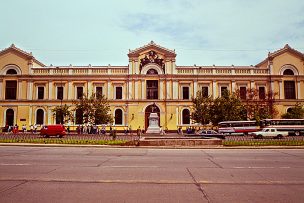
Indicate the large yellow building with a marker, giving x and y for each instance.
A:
(29, 90)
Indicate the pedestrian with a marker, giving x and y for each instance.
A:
(114, 133)
(32, 128)
(126, 130)
(161, 131)
(35, 128)
(24, 128)
(138, 131)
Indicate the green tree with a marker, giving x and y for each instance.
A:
(295, 112)
(201, 108)
(259, 107)
(96, 110)
(228, 107)
(62, 113)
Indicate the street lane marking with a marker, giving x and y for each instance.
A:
(3, 164)
(259, 167)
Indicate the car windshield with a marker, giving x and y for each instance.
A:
(265, 130)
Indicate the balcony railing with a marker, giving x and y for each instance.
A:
(183, 70)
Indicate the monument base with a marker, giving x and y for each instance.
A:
(153, 124)
(153, 130)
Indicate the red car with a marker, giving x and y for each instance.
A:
(53, 130)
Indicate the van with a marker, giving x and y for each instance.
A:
(53, 130)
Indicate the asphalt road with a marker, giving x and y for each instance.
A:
(75, 174)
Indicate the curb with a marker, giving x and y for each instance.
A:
(150, 147)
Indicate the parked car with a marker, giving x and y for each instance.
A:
(211, 133)
(269, 132)
(53, 130)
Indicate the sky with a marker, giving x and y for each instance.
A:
(202, 32)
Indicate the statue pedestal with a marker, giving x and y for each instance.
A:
(153, 124)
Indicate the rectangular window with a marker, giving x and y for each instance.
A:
(152, 89)
(60, 93)
(185, 92)
(262, 94)
(79, 92)
(118, 93)
(98, 92)
(289, 89)
(11, 89)
(205, 93)
(40, 92)
(243, 92)
(224, 90)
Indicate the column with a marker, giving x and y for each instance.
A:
(30, 90)
(142, 89)
(137, 71)
(50, 90)
(1, 87)
(30, 115)
(136, 89)
(177, 116)
(130, 93)
(168, 95)
(281, 89)
(70, 90)
(194, 88)
(130, 67)
(109, 89)
(175, 89)
(20, 90)
(252, 84)
(49, 115)
(299, 90)
(233, 86)
(214, 92)
(89, 88)
(161, 89)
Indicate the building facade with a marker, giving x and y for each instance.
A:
(152, 81)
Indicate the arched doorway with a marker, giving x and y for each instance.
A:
(9, 117)
(151, 109)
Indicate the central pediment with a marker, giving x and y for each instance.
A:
(167, 53)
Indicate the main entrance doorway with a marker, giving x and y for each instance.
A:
(151, 109)
(9, 117)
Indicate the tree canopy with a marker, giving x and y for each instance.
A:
(94, 109)
(295, 112)
(230, 107)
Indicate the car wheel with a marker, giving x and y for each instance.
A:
(279, 136)
(260, 136)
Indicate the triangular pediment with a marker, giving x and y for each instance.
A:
(167, 53)
(21, 53)
(285, 49)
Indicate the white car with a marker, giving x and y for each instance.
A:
(270, 132)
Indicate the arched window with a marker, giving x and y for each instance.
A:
(186, 116)
(289, 110)
(11, 72)
(118, 117)
(79, 116)
(288, 72)
(152, 72)
(9, 117)
(39, 116)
